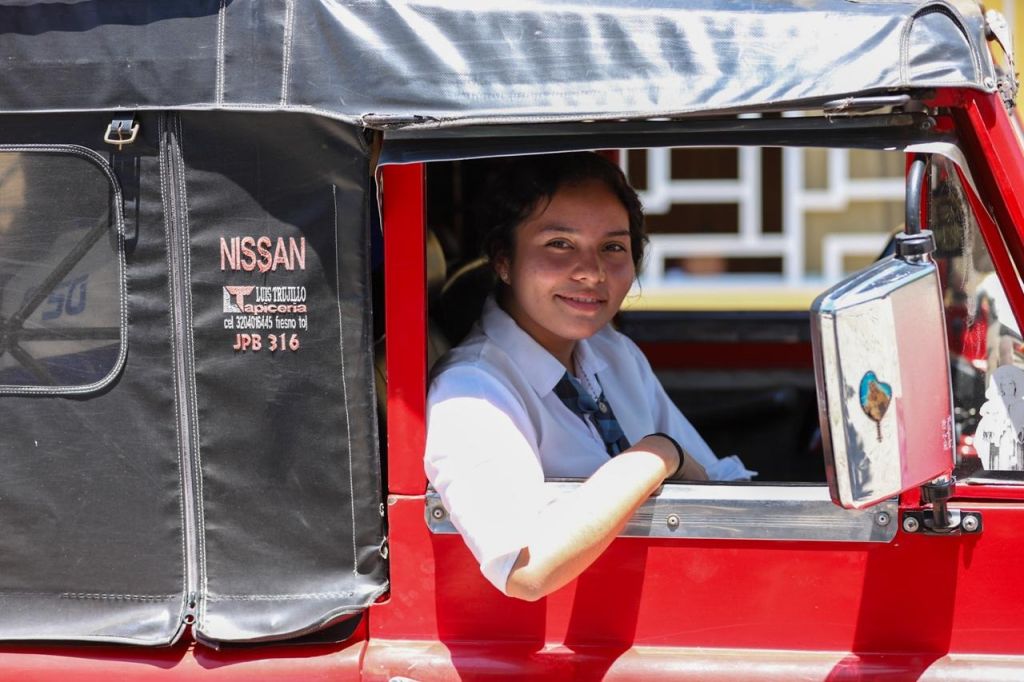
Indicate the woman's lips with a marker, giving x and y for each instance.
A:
(580, 302)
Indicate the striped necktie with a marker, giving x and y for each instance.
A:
(599, 412)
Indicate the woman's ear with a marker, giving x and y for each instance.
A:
(501, 267)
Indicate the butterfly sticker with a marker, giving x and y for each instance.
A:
(875, 397)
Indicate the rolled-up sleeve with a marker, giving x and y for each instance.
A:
(481, 457)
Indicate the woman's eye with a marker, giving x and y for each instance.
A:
(559, 244)
(615, 246)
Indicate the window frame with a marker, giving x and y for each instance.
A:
(402, 171)
(117, 215)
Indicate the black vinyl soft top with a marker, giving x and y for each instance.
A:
(379, 63)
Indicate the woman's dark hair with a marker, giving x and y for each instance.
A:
(519, 185)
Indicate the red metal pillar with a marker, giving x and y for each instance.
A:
(405, 310)
(410, 609)
(997, 166)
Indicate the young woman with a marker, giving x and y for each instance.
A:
(544, 387)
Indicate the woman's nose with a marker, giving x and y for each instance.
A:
(588, 266)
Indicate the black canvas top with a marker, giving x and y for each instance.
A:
(380, 62)
(189, 429)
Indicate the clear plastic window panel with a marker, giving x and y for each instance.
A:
(60, 305)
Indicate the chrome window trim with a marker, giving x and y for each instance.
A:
(733, 512)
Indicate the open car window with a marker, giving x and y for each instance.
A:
(741, 241)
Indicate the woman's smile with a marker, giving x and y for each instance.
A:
(582, 303)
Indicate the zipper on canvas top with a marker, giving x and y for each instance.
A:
(172, 172)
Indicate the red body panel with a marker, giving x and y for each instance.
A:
(841, 597)
(920, 597)
(434, 661)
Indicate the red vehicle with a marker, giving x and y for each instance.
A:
(232, 242)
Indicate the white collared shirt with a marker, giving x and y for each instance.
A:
(496, 429)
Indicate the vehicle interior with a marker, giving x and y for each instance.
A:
(728, 336)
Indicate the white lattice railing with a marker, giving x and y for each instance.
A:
(840, 189)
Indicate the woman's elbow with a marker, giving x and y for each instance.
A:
(529, 582)
(525, 581)
(522, 587)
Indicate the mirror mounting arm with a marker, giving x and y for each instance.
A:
(939, 519)
(937, 493)
(915, 190)
(915, 245)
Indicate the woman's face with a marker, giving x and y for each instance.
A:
(571, 267)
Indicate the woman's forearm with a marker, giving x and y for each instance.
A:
(574, 530)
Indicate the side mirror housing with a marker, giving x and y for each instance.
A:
(881, 366)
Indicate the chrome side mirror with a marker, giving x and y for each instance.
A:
(881, 366)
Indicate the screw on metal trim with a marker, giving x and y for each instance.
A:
(990, 83)
(927, 124)
(911, 524)
(437, 513)
(882, 518)
(672, 521)
(970, 523)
